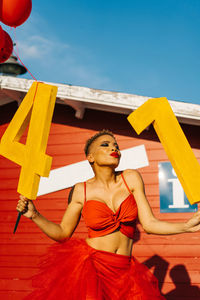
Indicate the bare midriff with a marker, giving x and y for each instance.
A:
(115, 242)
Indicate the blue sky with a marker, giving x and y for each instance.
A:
(149, 48)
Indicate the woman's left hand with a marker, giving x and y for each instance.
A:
(193, 224)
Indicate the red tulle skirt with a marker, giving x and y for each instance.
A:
(75, 271)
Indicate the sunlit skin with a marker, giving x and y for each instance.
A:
(108, 187)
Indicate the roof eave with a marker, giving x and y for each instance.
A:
(81, 98)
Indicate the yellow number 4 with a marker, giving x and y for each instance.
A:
(37, 111)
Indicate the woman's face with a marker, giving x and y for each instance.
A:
(104, 151)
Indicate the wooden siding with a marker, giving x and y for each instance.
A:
(175, 260)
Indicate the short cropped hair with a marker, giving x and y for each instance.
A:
(94, 137)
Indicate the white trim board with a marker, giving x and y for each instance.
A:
(67, 176)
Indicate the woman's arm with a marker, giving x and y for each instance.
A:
(145, 214)
(57, 232)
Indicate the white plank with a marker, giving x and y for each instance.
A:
(67, 176)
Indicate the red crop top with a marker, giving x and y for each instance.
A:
(101, 220)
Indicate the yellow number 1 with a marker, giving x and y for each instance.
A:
(158, 111)
(36, 110)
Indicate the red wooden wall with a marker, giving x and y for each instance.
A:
(175, 260)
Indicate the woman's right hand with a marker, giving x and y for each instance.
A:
(26, 207)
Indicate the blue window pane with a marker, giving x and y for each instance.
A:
(172, 196)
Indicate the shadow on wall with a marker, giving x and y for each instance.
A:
(179, 276)
(64, 114)
(182, 282)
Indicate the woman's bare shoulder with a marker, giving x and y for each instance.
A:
(76, 193)
(133, 178)
(131, 173)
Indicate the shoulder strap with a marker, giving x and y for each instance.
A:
(84, 191)
(126, 183)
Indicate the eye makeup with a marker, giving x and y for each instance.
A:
(106, 144)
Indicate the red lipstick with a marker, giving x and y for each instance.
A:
(114, 154)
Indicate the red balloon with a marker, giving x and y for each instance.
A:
(1, 37)
(7, 48)
(15, 12)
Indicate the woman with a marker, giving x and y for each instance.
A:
(101, 268)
